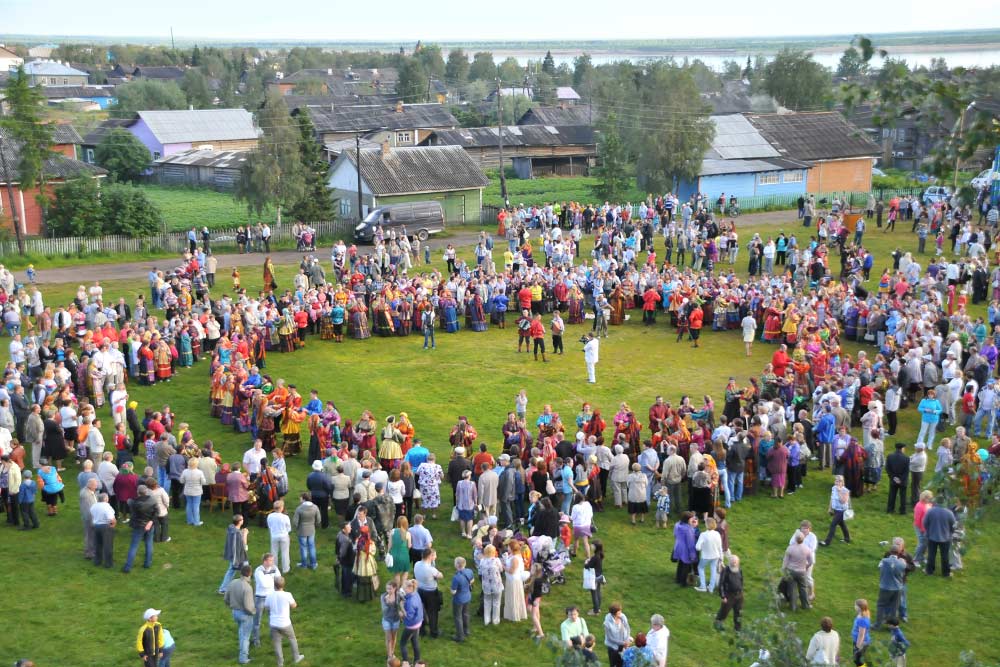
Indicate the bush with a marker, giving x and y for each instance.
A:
(81, 208)
(127, 210)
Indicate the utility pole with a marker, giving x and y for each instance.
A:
(9, 177)
(173, 47)
(357, 154)
(503, 177)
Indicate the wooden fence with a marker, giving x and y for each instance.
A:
(221, 239)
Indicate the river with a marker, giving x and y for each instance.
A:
(715, 60)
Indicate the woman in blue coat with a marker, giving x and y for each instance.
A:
(684, 554)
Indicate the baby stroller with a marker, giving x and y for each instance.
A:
(306, 240)
(553, 562)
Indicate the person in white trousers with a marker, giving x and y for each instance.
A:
(590, 356)
(280, 526)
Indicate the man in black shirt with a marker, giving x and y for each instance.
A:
(345, 560)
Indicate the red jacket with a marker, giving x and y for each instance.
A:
(524, 298)
(537, 329)
(697, 316)
(650, 298)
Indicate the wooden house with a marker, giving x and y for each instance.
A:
(215, 169)
(400, 124)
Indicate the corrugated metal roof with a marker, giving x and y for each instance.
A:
(50, 68)
(418, 169)
(174, 127)
(824, 135)
(97, 135)
(714, 167)
(341, 145)
(566, 93)
(64, 92)
(207, 158)
(367, 118)
(579, 114)
(516, 135)
(64, 133)
(736, 139)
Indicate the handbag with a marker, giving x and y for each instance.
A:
(849, 512)
(388, 560)
(454, 514)
(589, 579)
(375, 582)
(416, 494)
(550, 488)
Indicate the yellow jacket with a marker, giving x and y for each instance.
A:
(150, 638)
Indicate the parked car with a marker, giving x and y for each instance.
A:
(984, 179)
(421, 219)
(877, 172)
(935, 194)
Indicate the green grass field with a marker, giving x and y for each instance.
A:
(183, 208)
(478, 374)
(551, 189)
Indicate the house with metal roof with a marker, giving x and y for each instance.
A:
(840, 153)
(219, 170)
(533, 150)
(564, 114)
(393, 175)
(741, 162)
(53, 73)
(399, 124)
(58, 167)
(168, 132)
(783, 154)
(90, 97)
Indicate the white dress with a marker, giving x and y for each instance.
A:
(514, 607)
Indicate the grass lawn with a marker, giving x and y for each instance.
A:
(478, 375)
(550, 189)
(183, 208)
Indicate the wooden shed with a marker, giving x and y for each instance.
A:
(219, 170)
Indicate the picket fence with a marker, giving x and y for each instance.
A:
(175, 242)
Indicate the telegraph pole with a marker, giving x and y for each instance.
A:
(357, 154)
(503, 177)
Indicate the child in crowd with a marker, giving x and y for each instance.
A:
(662, 508)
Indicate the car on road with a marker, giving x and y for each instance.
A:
(935, 194)
(420, 218)
(984, 179)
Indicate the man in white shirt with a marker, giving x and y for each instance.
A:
(279, 612)
(812, 543)
(252, 458)
(263, 586)
(591, 355)
(102, 516)
(17, 350)
(280, 526)
(657, 640)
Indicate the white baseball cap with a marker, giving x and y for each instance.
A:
(150, 613)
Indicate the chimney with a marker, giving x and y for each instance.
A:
(385, 147)
(399, 106)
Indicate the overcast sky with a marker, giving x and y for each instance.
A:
(407, 21)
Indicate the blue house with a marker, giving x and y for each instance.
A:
(743, 163)
(101, 96)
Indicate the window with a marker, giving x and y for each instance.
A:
(403, 138)
(769, 178)
(89, 156)
(345, 207)
(901, 134)
(65, 81)
(793, 176)
(156, 155)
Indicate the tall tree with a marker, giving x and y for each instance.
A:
(413, 82)
(795, 80)
(674, 131)
(431, 59)
(122, 154)
(549, 63)
(273, 174)
(316, 204)
(147, 95)
(456, 70)
(612, 155)
(851, 63)
(195, 56)
(76, 209)
(195, 87)
(483, 68)
(583, 69)
(25, 126)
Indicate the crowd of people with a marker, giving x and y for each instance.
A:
(529, 512)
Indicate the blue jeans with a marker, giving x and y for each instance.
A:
(230, 573)
(929, 430)
(307, 551)
(567, 502)
(163, 478)
(167, 653)
(429, 336)
(734, 485)
(140, 535)
(921, 551)
(982, 414)
(193, 509)
(724, 484)
(244, 627)
(257, 617)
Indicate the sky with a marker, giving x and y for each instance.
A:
(456, 20)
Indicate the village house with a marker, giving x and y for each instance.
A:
(58, 168)
(168, 132)
(52, 73)
(166, 73)
(219, 170)
(8, 59)
(400, 124)
(415, 173)
(564, 114)
(88, 98)
(533, 150)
